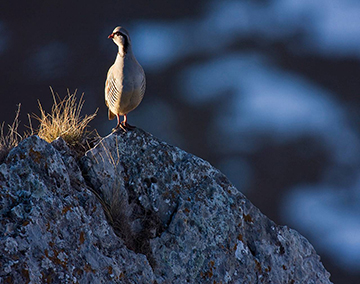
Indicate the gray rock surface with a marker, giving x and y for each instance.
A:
(169, 217)
(53, 229)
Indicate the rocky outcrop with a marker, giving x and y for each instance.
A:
(136, 210)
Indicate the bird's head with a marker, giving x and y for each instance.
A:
(121, 38)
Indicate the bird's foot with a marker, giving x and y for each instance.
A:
(123, 126)
(118, 127)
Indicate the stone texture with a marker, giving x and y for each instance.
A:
(53, 229)
(194, 226)
(174, 219)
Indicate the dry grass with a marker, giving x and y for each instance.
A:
(12, 138)
(65, 121)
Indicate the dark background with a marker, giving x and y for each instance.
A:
(265, 90)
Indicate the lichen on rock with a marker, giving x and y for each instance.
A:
(137, 210)
(53, 229)
(194, 225)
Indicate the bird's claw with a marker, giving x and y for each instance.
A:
(123, 126)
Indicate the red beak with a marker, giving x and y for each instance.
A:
(111, 36)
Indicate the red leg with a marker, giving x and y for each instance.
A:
(118, 120)
(125, 124)
(119, 124)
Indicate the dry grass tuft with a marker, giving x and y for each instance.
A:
(65, 121)
(12, 138)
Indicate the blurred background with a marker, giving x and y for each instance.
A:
(268, 91)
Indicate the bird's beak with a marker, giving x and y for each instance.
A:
(111, 36)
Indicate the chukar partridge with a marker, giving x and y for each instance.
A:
(125, 82)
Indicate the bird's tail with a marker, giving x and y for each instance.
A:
(111, 115)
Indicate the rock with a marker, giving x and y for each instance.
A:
(136, 210)
(194, 225)
(53, 229)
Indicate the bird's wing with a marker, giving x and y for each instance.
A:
(143, 85)
(112, 94)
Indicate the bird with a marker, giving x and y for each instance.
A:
(125, 82)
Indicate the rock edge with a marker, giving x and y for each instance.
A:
(174, 219)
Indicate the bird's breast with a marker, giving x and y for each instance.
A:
(125, 85)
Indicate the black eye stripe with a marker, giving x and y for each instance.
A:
(122, 34)
(126, 39)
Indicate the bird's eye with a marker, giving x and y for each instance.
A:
(118, 33)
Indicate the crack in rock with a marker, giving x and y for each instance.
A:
(187, 218)
(174, 219)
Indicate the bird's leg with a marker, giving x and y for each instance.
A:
(125, 124)
(119, 124)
